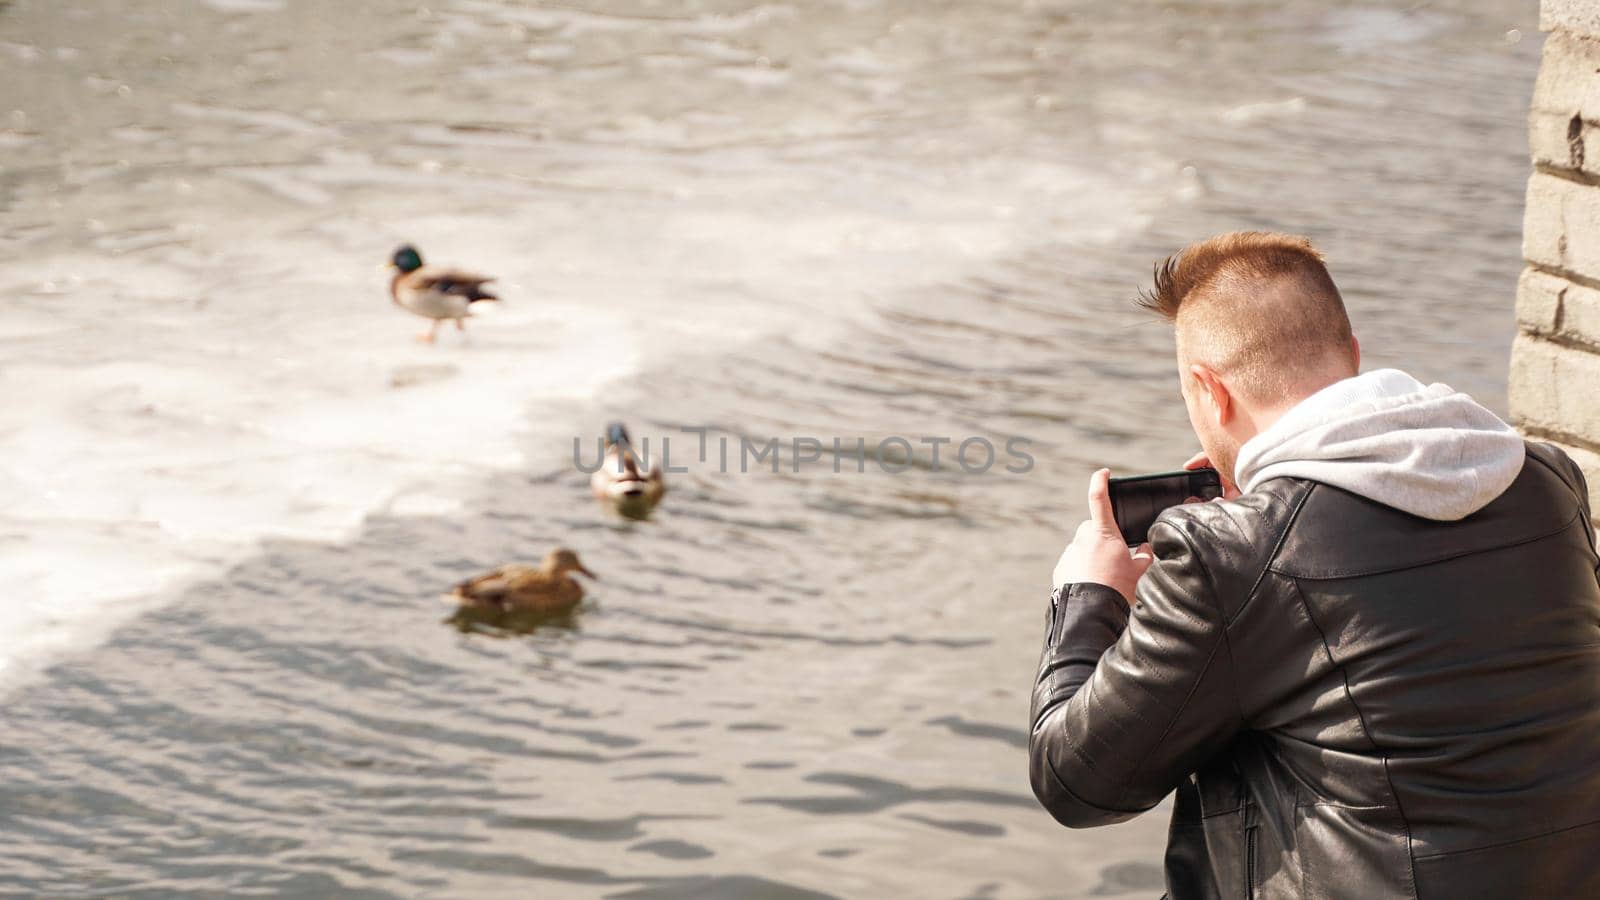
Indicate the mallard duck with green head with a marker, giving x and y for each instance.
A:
(621, 481)
(547, 588)
(434, 292)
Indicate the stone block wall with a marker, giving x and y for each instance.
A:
(1555, 360)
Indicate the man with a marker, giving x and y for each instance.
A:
(1373, 669)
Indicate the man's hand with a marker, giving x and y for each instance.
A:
(1097, 552)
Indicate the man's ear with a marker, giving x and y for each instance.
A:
(1216, 395)
(1355, 351)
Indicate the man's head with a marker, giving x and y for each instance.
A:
(1260, 327)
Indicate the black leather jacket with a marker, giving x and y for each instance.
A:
(1349, 701)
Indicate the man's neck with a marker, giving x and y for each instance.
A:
(1262, 418)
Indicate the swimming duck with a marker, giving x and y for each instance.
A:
(620, 482)
(543, 589)
(434, 292)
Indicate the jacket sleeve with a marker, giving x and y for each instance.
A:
(1128, 704)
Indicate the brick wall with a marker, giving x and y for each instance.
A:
(1555, 361)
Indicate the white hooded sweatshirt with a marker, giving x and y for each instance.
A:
(1424, 449)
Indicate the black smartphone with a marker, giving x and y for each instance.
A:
(1136, 500)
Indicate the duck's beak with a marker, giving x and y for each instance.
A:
(585, 571)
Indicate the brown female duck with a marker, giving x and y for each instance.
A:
(547, 588)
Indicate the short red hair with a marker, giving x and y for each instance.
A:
(1255, 305)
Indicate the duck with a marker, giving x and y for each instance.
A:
(621, 483)
(545, 589)
(434, 292)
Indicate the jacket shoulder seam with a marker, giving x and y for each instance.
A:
(1267, 566)
(1277, 548)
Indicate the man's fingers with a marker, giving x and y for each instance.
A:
(1100, 511)
(1143, 558)
(1198, 461)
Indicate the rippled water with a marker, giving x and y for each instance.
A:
(843, 219)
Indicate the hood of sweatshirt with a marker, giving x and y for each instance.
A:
(1427, 450)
